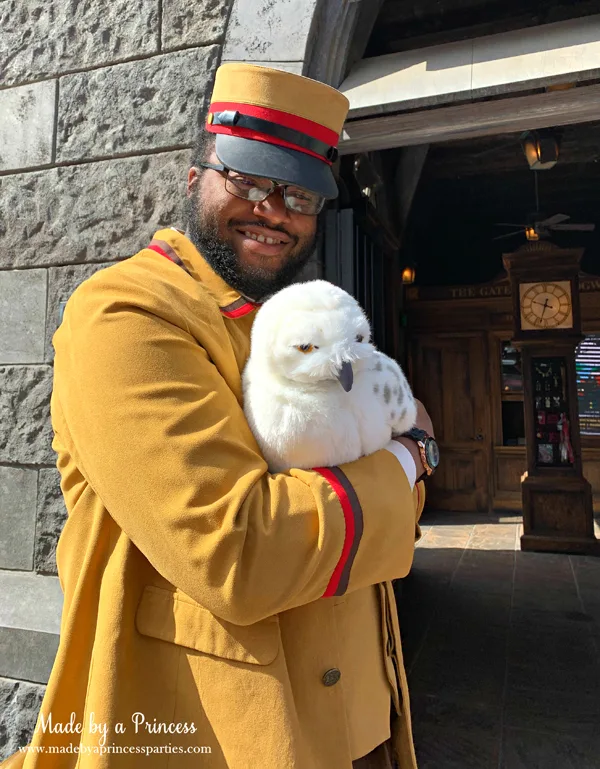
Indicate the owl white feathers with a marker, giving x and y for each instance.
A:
(317, 393)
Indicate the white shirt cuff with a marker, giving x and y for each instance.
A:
(404, 456)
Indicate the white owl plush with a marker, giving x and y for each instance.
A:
(317, 393)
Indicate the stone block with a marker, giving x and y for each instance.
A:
(18, 493)
(20, 703)
(51, 517)
(62, 281)
(25, 431)
(45, 38)
(200, 23)
(136, 106)
(30, 602)
(295, 67)
(22, 315)
(264, 31)
(27, 125)
(27, 654)
(97, 212)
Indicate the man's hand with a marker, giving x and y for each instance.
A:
(423, 422)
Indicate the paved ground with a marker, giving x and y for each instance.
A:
(502, 649)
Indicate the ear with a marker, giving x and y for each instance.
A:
(192, 181)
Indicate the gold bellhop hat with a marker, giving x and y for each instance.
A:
(278, 125)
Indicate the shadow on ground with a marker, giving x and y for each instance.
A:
(502, 649)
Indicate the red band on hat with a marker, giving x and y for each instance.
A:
(248, 133)
(308, 127)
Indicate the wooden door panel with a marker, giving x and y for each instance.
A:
(509, 471)
(429, 384)
(450, 376)
(457, 485)
(460, 411)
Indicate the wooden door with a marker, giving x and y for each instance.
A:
(449, 374)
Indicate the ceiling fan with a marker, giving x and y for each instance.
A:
(539, 226)
(542, 228)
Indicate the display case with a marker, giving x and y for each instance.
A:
(551, 413)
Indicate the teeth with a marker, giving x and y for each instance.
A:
(262, 238)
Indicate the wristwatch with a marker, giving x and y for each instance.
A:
(428, 448)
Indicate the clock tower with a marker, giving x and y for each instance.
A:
(557, 499)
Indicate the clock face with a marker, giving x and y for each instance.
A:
(546, 305)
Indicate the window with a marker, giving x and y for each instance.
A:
(512, 374)
(587, 363)
(513, 423)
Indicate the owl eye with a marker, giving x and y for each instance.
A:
(306, 348)
(359, 338)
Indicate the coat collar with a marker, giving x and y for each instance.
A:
(174, 245)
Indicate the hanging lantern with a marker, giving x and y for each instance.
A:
(409, 275)
(541, 150)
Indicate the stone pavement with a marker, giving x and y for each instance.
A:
(502, 649)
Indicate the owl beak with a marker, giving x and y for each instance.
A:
(346, 376)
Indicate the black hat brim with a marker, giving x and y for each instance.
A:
(281, 164)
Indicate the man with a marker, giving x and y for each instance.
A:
(216, 615)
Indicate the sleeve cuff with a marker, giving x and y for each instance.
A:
(404, 456)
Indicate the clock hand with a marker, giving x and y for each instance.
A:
(545, 305)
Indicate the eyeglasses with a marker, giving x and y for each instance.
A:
(257, 189)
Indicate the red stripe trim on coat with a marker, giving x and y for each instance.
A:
(304, 125)
(164, 249)
(239, 308)
(353, 518)
(159, 250)
(248, 133)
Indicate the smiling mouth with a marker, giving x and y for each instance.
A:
(270, 241)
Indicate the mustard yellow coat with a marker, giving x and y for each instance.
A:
(199, 590)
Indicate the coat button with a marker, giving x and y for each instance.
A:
(331, 677)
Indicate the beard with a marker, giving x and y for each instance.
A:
(250, 281)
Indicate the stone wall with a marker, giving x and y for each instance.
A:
(99, 104)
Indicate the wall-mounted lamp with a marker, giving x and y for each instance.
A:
(409, 275)
(541, 150)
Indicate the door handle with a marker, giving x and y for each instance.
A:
(479, 437)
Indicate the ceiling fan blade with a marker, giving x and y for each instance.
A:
(556, 219)
(509, 235)
(574, 227)
(503, 224)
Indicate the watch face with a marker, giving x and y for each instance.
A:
(432, 453)
(546, 305)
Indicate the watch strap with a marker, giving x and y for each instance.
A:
(420, 437)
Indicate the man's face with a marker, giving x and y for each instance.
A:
(221, 227)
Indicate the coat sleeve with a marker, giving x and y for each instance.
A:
(163, 441)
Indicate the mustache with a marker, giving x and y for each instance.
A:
(240, 223)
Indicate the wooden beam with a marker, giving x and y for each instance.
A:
(507, 63)
(402, 27)
(465, 121)
(339, 36)
(408, 172)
